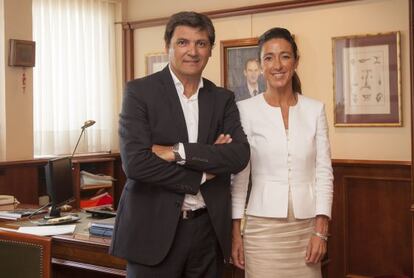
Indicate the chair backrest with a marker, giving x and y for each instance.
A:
(24, 255)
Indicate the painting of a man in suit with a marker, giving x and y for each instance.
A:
(253, 84)
(242, 71)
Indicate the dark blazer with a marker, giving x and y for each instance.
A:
(242, 92)
(150, 204)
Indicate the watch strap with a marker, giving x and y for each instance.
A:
(177, 156)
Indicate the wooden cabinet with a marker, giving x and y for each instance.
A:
(26, 179)
(100, 165)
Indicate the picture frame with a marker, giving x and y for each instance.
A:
(367, 80)
(22, 53)
(235, 56)
(155, 62)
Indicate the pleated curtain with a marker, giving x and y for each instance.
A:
(75, 76)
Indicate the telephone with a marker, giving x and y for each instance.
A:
(7, 200)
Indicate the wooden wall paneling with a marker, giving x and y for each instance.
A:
(412, 234)
(376, 226)
(370, 196)
(335, 266)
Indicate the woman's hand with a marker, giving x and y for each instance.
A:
(316, 250)
(317, 245)
(237, 251)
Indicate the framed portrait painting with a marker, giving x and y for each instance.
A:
(367, 80)
(155, 62)
(240, 68)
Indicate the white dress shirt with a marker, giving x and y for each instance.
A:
(190, 110)
(253, 90)
(297, 160)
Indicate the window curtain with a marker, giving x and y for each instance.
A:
(75, 76)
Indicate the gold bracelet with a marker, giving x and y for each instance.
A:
(321, 236)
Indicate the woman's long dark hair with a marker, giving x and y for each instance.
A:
(282, 33)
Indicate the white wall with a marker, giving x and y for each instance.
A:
(144, 9)
(18, 103)
(313, 28)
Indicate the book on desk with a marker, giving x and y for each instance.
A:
(8, 200)
(102, 227)
(15, 214)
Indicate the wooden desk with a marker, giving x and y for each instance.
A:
(83, 255)
(80, 254)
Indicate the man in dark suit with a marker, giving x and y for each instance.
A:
(181, 138)
(253, 85)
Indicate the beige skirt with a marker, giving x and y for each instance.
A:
(276, 247)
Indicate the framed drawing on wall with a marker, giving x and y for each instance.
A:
(155, 62)
(240, 68)
(367, 80)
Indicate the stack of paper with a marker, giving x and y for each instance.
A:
(48, 230)
(89, 179)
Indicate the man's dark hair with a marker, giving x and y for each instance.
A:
(191, 19)
(251, 60)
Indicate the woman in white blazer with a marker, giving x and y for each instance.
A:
(286, 228)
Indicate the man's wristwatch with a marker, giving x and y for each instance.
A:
(177, 156)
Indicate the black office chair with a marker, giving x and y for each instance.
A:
(24, 255)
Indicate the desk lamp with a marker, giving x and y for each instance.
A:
(86, 124)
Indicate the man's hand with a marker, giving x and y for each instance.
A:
(209, 176)
(164, 152)
(222, 139)
(237, 250)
